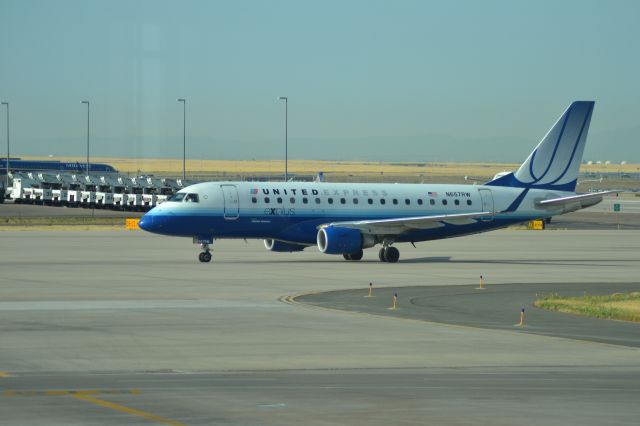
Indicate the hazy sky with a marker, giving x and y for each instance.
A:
(367, 80)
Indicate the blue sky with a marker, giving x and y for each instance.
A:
(366, 80)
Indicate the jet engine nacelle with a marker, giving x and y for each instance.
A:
(337, 240)
(280, 246)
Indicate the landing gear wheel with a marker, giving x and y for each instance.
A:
(356, 255)
(381, 255)
(204, 257)
(205, 254)
(346, 256)
(391, 254)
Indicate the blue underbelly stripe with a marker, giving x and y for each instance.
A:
(304, 229)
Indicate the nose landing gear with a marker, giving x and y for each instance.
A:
(205, 256)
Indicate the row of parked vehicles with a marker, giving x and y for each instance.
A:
(108, 191)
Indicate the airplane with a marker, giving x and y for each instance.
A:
(346, 218)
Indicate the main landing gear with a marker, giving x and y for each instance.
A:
(389, 254)
(205, 256)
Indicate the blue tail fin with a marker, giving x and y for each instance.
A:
(555, 162)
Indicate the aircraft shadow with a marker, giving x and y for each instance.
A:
(561, 262)
(449, 259)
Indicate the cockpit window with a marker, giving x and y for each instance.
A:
(191, 198)
(178, 196)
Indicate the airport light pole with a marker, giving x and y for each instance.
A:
(87, 102)
(7, 187)
(286, 113)
(184, 138)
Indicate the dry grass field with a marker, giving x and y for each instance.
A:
(333, 170)
(620, 306)
(174, 166)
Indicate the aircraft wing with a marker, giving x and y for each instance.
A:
(575, 201)
(403, 224)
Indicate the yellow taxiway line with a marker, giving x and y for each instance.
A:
(101, 402)
(89, 396)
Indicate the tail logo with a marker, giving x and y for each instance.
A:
(555, 162)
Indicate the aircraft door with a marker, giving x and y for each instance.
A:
(231, 203)
(487, 204)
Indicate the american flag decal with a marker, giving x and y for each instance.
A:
(432, 194)
(253, 191)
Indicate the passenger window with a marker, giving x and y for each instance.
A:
(355, 201)
(191, 198)
(382, 201)
(330, 200)
(279, 200)
(305, 200)
(266, 200)
(419, 201)
(444, 202)
(468, 202)
(292, 200)
(254, 200)
(432, 202)
(370, 200)
(407, 201)
(395, 201)
(342, 201)
(456, 202)
(317, 200)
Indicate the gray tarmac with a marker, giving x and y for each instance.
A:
(494, 307)
(112, 327)
(585, 219)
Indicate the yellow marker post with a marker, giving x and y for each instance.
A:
(395, 302)
(481, 284)
(521, 323)
(370, 290)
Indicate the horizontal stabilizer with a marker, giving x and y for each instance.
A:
(403, 224)
(575, 202)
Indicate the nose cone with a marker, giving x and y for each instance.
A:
(146, 223)
(160, 222)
